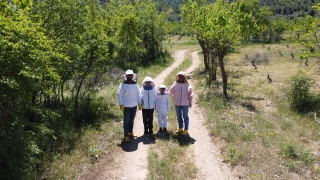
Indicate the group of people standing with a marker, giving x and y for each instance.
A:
(148, 99)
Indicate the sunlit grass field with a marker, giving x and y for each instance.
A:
(258, 133)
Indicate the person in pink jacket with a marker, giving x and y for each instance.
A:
(182, 94)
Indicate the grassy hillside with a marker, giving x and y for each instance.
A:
(259, 135)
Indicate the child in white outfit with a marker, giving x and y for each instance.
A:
(163, 108)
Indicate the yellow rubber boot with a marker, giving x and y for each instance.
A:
(179, 130)
(126, 138)
(185, 132)
(131, 134)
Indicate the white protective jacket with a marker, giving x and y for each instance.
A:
(148, 97)
(128, 94)
(163, 103)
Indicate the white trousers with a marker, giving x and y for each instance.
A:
(162, 120)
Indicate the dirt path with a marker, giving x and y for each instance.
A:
(133, 162)
(207, 155)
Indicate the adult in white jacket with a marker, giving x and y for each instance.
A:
(163, 108)
(148, 97)
(129, 99)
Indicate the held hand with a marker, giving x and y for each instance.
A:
(190, 105)
(140, 106)
(122, 108)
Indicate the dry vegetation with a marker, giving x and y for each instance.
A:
(260, 136)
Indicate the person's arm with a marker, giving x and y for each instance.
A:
(155, 102)
(120, 98)
(172, 89)
(155, 96)
(138, 95)
(190, 95)
(168, 103)
(120, 101)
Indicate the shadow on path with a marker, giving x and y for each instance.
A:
(181, 139)
(184, 140)
(133, 144)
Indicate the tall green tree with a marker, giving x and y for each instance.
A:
(220, 25)
(151, 28)
(277, 28)
(26, 70)
(145, 35)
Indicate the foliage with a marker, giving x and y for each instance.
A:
(176, 28)
(299, 95)
(146, 33)
(54, 56)
(289, 7)
(278, 28)
(218, 28)
(172, 7)
(304, 31)
(26, 69)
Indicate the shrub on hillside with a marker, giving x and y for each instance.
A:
(299, 95)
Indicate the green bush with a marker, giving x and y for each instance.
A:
(299, 96)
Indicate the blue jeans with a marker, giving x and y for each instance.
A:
(182, 114)
(129, 114)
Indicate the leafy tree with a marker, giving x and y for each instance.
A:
(145, 36)
(151, 28)
(220, 26)
(22, 4)
(53, 55)
(26, 69)
(78, 29)
(305, 33)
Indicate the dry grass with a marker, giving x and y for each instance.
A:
(260, 136)
(175, 43)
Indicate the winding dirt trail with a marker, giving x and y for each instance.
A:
(132, 161)
(207, 155)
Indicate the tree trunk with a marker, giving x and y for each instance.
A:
(76, 99)
(224, 75)
(214, 66)
(205, 55)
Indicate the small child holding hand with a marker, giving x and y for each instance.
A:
(163, 108)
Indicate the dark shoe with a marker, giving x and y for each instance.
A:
(164, 130)
(150, 131)
(160, 130)
(146, 132)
